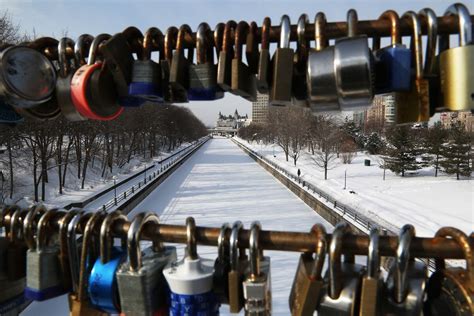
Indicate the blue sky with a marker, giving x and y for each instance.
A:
(54, 17)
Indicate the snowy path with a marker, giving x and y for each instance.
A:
(220, 183)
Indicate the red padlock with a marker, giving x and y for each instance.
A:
(101, 105)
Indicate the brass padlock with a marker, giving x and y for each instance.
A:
(413, 106)
(308, 282)
(457, 64)
(451, 291)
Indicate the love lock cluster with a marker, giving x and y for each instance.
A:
(96, 77)
(47, 253)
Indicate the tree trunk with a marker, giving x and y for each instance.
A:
(66, 161)
(59, 146)
(10, 165)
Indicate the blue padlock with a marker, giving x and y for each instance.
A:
(102, 288)
(191, 281)
(8, 116)
(203, 75)
(146, 74)
(393, 63)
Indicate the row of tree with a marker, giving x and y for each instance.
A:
(400, 148)
(63, 146)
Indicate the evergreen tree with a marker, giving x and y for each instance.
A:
(374, 144)
(456, 152)
(433, 141)
(352, 130)
(402, 150)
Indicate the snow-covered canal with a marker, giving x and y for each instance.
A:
(220, 183)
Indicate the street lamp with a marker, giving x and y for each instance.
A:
(345, 178)
(145, 175)
(115, 189)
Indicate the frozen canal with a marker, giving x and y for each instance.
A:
(220, 183)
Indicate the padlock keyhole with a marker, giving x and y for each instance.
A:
(472, 96)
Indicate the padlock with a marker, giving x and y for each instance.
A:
(282, 64)
(353, 64)
(79, 304)
(264, 67)
(92, 89)
(372, 283)
(165, 62)
(299, 86)
(30, 224)
(224, 66)
(190, 280)
(320, 75)
(451, 291)
(64, 259)
(243, 81)
(257, 285)
(203, 74)
(118, 56)
(392, 63)
(74, 247)
(66, 71)
(406, 280)
(238, 268)
(341, 293)
(43, 272)
(102, 285)
(431, 67)
(308, 282)
(218, 43)
(16, 251)
(252, 53)
(146, 73)
(414, 106)
(179, 71)
(456, 64)
(142, 287)
(28, 77)
(222, 265)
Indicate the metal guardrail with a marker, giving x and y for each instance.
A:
(347, 212)
(141, 184)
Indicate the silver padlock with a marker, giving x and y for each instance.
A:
(257, 286)
(142, 287)
(43, 278)
(406, 280)
(353, 64)
(343, 280)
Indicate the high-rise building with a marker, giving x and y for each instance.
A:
(450, 118)
(379, 115)
(260, 109)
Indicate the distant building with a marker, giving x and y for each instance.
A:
(378, 116)
(235, 121)
(450, 118)
(260, 109)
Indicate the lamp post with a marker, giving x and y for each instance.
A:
(145, 175)
(115, 189)
(345, 178)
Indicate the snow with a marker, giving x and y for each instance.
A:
(220, 183)
(422, 200)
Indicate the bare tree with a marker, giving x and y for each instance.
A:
(326, 135)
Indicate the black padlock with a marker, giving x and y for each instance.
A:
(179, 73)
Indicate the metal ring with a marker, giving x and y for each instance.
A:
(14, 222)
(222, 241)
(106, 240)
(407, 233)
(319, 29)
(203, 43)
(240, 38)
(373, 254)
(319, 251)
(94, 49)
(170, 43)
(416, 42)
(432, 39)
(134, 236)
(29, 225)
(64, 66)
(335, 270)
(72, 249)
(234, 244)
(352, 21)
(394, 19)
(81, 47)
(254, 249)
(266, 26)
(153, 38)
(191, 238)
(303, 44)
(285, 31)
(43, 224)
(465, 24)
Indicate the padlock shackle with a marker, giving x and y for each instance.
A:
(153, 39)
(106, 238)
(81, 48)
(42, 233)
(373, 254)
(335, 269)
(302, 45)
(254, 250)
(230, 27)
(251, 47)
(223, 241)
(463, 240)
(285, 32)
(407, 233)
(266, 27)
(29, 226)
(352, 21)
(64, 253)
(431, 39)
(240, 38)
(170, 43)
(319, 252)
(234, 245)
(416, 45)
(191, 244)
(184, 31)
(94, 49)
(319, 31)
(204, 52)
(392, 16)
(464, 26)
(134, 39)
(74, 258)
(15, 223)
(218, 37)
(87, 261)
(64, 65)
(45, 45)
